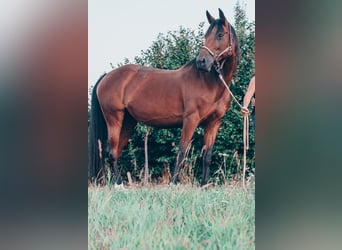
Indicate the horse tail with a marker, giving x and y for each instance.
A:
(97, 137)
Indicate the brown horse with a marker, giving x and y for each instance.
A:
(187, 97)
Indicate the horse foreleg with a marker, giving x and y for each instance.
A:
(210, 133)
(188, 130)
(182, 153)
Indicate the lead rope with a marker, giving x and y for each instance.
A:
(245, 132)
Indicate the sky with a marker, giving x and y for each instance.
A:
(122, 28)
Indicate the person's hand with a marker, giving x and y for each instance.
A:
(244, 111)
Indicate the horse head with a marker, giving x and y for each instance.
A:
(218, 43)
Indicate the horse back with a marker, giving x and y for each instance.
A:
(152, 96)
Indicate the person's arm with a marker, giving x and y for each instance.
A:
(248, 96)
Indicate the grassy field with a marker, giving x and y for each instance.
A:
(179, 217)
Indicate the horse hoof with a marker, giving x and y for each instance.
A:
(119, 186)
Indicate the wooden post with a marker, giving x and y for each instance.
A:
(146, 174)
(130, 182)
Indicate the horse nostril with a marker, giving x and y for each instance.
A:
(201, 62)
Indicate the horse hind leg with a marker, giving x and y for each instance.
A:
(118, 136)
(114, 125)
(127, 128)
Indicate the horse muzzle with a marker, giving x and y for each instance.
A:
(204, 62)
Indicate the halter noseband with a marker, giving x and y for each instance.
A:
(218, 65)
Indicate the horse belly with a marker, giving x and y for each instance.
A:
(156, 113)
(164, 122)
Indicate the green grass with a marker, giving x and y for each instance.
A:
(180, 217)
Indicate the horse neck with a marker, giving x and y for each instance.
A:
(228, 69)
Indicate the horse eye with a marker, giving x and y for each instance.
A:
(220, 35)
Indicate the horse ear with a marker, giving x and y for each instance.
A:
(222, 17)
(210, 18)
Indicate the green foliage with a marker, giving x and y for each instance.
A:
(172, 50)
(182, 217)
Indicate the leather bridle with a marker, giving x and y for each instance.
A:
(216, 57)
